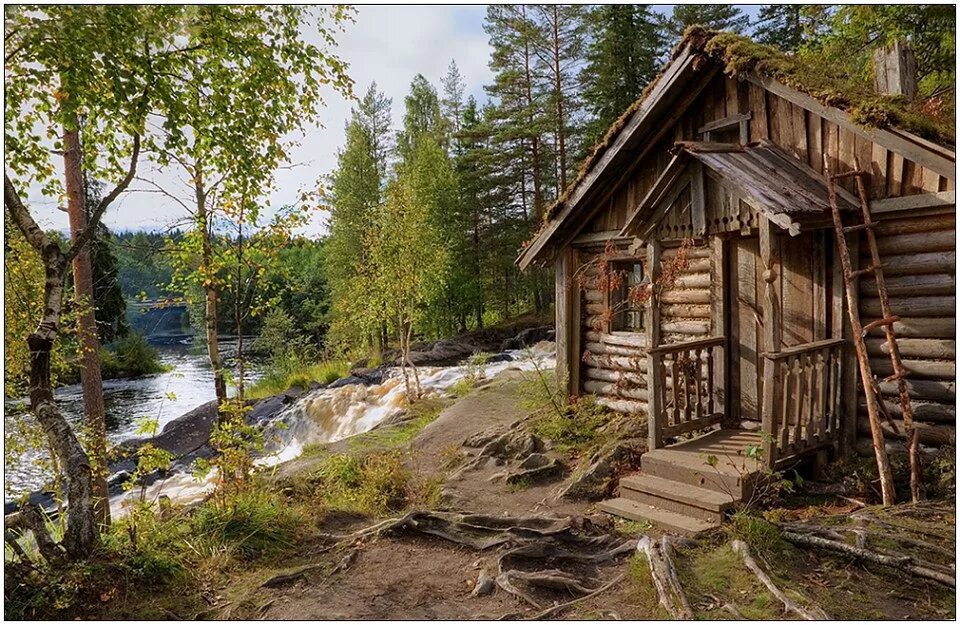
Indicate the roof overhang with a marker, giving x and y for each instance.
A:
(787, 191)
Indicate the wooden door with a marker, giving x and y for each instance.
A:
(746, 319)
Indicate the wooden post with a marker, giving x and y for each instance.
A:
(895, 70)
(848, 363)
(770, 260)
(718, 326)
(564, 309)
(654, 373)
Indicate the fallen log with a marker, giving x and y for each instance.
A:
(813, 614)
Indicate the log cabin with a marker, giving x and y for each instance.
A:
(699, 284)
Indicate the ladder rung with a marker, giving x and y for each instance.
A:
(894, 377)
(886, 321)
(850, 174)
(863, 272)
(859, 227)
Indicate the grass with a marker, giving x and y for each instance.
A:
(578, 428)
(294, 373)
(420, 414)
(641, 591)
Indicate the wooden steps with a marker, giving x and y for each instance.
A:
(681, 491)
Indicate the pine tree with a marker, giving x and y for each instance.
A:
(559, 46)
(623, 52)
(780, 25)
(712, 16)
(517, 120)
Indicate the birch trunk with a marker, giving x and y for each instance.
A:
(209, 288)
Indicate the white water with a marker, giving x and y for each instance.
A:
(327, 415)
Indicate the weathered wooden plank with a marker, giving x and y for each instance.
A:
(935, 369)
(686, 296)
(653, 330)
(936, 241)
(926, 412)
(889, 226)
(914, 148)
(626, 339)
(878, 172)
(686, 311)
(945, 199)
(926, 390)
(613, 389)
(772, 269)
(929, 434)
(918, 263)
(758, 112)
(634, 379)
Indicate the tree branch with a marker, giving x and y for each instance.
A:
(22, 217)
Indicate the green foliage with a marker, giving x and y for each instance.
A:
(293, 372)
(623, 56)
(762, 535)
(420, 414)
(130, 357)
(781, 25)
(711, 16)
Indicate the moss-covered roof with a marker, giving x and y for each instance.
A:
(739, 55)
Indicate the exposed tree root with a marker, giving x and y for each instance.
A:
(553, 611)
(903, 562)
(664, 575)
(813, 614)
(557, 540)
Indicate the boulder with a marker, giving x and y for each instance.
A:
(598, 480)
(529, 337)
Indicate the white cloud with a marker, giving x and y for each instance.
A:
(386, 44)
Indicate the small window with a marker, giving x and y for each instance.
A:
(628, 313)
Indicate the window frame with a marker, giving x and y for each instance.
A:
(612, 299)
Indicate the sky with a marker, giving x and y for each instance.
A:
(388, 44)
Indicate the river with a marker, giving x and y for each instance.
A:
(187, 384)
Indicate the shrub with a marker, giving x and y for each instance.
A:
(130, 357)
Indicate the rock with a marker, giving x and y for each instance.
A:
(552, 468)
(529, 337)
(371, 376)
(484, 585)
(501, 357)
(350, 379)
(535, 461)
(598, 479)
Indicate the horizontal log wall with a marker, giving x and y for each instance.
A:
(614, 364)
(919, 265)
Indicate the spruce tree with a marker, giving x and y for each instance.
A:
(780, 25)
(623, 56)
(712, 16)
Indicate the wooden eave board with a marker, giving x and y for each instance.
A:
(670, 176)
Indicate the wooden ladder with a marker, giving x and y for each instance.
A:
(870, 388)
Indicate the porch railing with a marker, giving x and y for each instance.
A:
(806, 399)
(685, 387)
